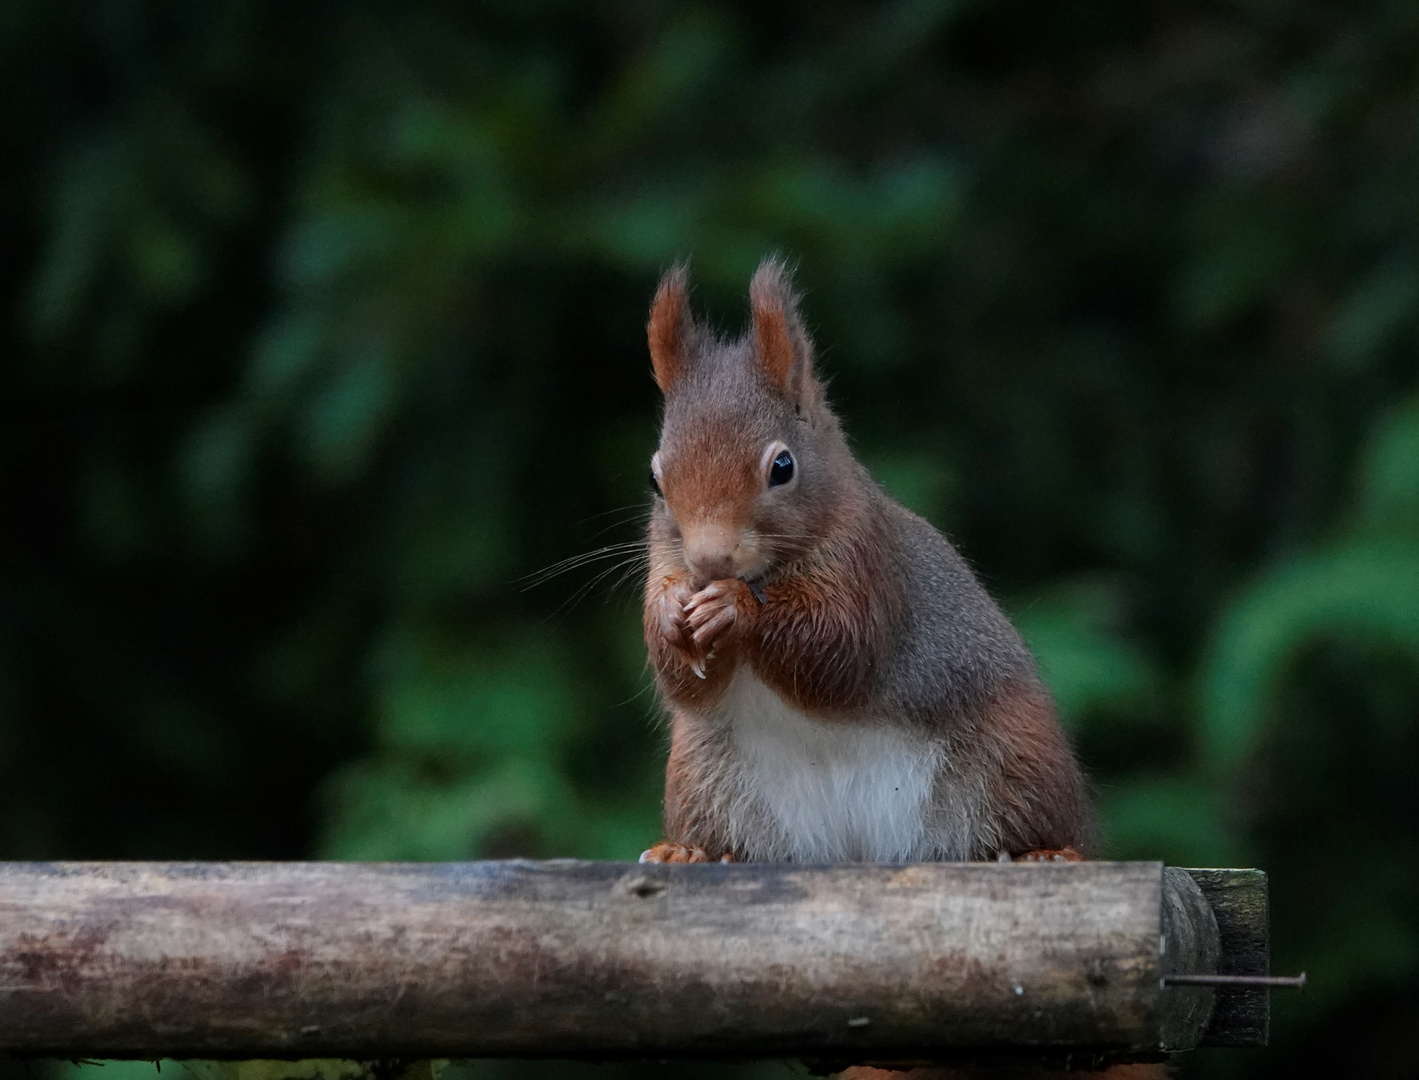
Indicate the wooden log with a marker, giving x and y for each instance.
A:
(1189, 945)
(1240, 903)
(575, 959)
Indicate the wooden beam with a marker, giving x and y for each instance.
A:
(575, 959)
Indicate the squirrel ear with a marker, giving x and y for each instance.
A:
(781, 344)
(670, 327)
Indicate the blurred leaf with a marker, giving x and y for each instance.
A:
(920, 481)
(112, 509)
(1244, 244)
(650, 230)
(1091, 668)
(336, 242)
(89, 177)
(1356, 592)
(349, 413)
(451, 701)
(286, 353)
(676, 63)
(219, 455)
(166, 261)
(1177, 820)
(392, 809)
(1389, 473)
(1375, 313)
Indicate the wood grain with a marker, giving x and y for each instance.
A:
(1241, 905)
(1190, 946)
(300, 960)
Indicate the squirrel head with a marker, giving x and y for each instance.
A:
(752, 468)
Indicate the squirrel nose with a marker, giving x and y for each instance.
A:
(710, 551)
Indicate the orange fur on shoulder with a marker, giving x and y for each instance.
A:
(820, 642)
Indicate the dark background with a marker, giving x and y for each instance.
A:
(323, 330)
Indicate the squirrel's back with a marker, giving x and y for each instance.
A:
(955, 647)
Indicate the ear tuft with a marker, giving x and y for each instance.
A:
(781, 344)
(670, 327)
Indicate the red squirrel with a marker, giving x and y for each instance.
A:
(840, 686)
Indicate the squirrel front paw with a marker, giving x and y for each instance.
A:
(678, 853)
(668, 621)
(715, 612)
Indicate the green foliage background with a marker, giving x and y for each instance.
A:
(323, 331)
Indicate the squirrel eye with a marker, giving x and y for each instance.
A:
(654, 483)
(781, 471)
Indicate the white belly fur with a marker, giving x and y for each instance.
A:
(827, 791)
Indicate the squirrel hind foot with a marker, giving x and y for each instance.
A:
(678, 853)
(1064, 854)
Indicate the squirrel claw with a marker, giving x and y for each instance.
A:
(665, 852)
(716, 613)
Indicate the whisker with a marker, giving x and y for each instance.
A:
(641, 514)
(631, 571)
(637, 507)
(610, 551)
(647, 685)
(626, 568)
(626, 558)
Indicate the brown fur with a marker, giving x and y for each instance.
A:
(867, 615)
(1036, 793)
(669, 318)
(781, 345)
(831, 622)
(688, 818)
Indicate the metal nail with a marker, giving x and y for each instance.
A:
(1296, 981)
